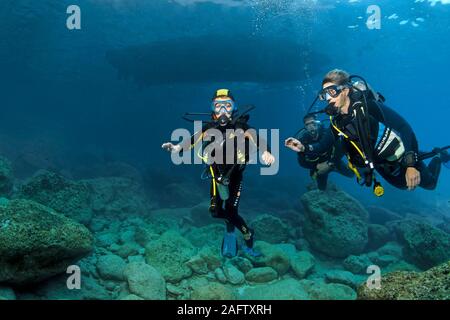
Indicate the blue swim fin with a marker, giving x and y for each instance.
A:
(229, 245)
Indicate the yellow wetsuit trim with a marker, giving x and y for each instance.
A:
(213, 180)
(346, 137)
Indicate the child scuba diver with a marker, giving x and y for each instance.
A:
(226, 176)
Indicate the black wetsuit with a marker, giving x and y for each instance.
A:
(391, 138)
(322, 148)
(228, 209)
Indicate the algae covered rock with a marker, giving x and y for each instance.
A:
(335, 223)
(117, 195)
(213, 291)
(318, 290)
(302, 263)
(111, 267)
(36, 243)
(424, 245)
(286, 289)
(145, 281)
(357, 264)
(169, 255)
(270, 229)
(271, 257)
(433, 284)
(70, 198)
(260, 275)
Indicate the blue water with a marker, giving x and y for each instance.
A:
(64, 103)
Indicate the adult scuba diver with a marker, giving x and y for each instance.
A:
(376, 138)
(318, 151)
(226, 176)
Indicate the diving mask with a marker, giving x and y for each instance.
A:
(223, 106)
(331, 92)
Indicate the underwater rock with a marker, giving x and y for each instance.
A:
(424, 245)
(7, 293)
(169, 255)
(6, 177)
(56, 289)
(132, 297)
(433, 284)
(271, 257)
(344, 277)
(211, 235)
(357, 264)
(392, 249)
(106, 239)
(211, 256)
(111, 267)
(286, 289)
(270, 229)
(243, 264)
(318, 290)
(335, 224)
(378, 236)
(233, 275)
(50, 189)
(117, 196)
(260, 275)
(198, 265)
(399, 266)
(213, 291)
(378, 215)
(220, 275)
(37, 243)
(145, 281)
(127, 249)
(144, 234)
(302, 264)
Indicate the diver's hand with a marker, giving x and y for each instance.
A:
(323, 168)
(294, 144)
(170, 147)
(267, 158)
(412, 178)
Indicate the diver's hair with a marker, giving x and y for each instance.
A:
(337, 76)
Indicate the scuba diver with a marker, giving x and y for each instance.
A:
(318, 151)
(226, 177)
(376, 137)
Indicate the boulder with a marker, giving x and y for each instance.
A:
(270, 229)
(213, 291)
(302, 264)
(286, 289)
(116, 196)
(357, 264)
(260, 275)
(233, 275)
(37, 243)
(111, 267)
(424, 245)
(145, 281)
(72, 199)
(402, 285)
(169, 255)
(335, 223)
(271, 257)
(318, 290)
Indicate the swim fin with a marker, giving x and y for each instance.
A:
(229, 245)
(251, 251)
